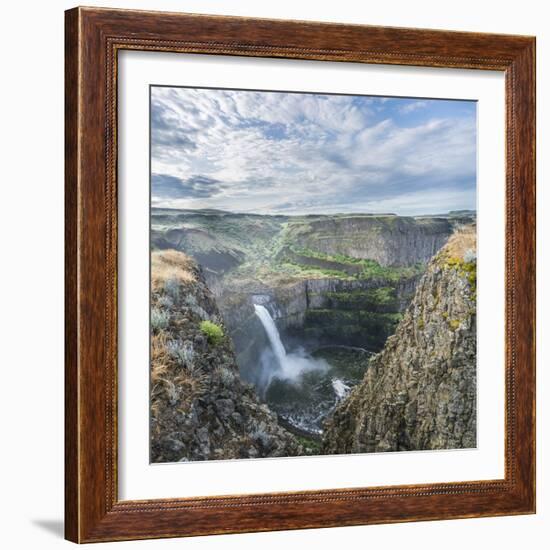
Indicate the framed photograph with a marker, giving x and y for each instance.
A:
(300, 275)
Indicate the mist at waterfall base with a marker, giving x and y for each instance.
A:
(276, 362)
(303, 387)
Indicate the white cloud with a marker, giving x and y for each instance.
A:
(412, 106)
(308, 152)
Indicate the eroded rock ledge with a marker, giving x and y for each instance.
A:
(419, 392)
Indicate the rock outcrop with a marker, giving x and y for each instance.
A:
(419, 392)
(200, 408)
(387, 240)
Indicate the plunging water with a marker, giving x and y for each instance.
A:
(272, 333)
(303, 389)
(290, 365)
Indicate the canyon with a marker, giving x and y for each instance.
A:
(309, 303)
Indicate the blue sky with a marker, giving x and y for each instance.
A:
(293, 153)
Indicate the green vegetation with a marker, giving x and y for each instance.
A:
(364, 269)
(314, 270)
(275, 249)
(384, 295)
(361, 317)
(213, 332)
(311, 445)
(372, 269)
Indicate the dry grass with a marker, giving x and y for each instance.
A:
(155, 410)
(461, 242)
(159, 357)
(170, 265)
(169, 381)
(192, 384)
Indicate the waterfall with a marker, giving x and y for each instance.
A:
(292, 365)
(272, 333)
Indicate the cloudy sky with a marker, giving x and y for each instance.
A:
(292, 153)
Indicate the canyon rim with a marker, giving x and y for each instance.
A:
(313, 274)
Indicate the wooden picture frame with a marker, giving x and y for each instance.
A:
(93, 39)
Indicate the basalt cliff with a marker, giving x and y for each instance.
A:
(419, 392)
(200, 407)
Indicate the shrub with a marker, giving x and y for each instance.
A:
(159, 319)
(182, 352)
(213, 332)
(225, 376)
(165, 302)
(172, 288)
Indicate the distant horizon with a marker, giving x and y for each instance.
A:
(296, 153)
(351, 213)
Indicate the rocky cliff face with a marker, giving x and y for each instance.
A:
(388, 240)
(200, 408)
(420, 391)
(221, 241)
